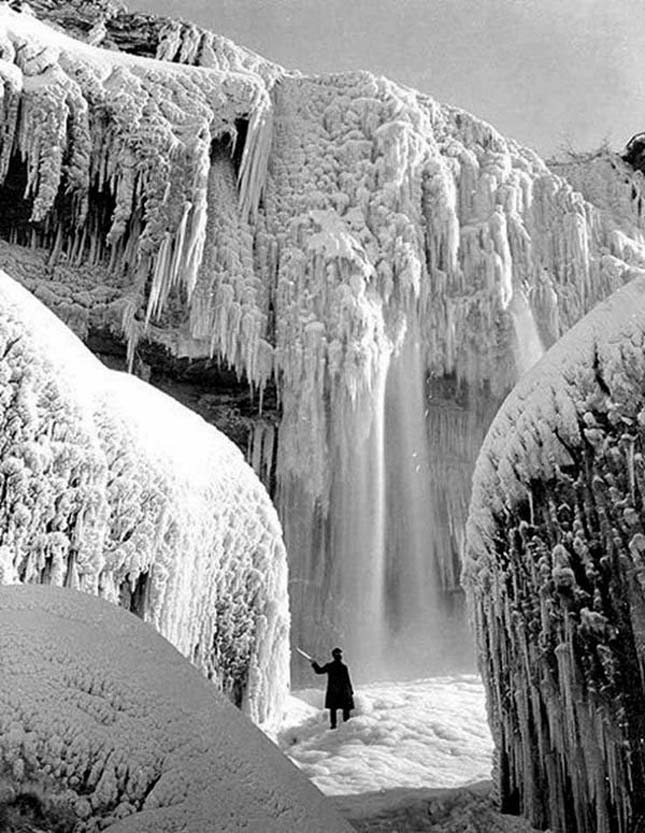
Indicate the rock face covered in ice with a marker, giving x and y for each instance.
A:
(111, 729)
(556, 574)
(390, 264)
(111, 487)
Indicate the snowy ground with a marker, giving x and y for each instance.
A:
(389, 767)
(423, 733)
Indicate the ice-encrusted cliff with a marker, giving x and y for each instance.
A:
(104, 726)
(390, 264)
(113, 488)
(556, 575)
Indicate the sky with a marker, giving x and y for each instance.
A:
(553, 74)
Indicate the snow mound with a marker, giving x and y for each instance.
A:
(555, 572)
(111, 487)
(112, 723)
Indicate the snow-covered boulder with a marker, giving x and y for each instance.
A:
(555, 572)
(107, 725)
(111, 487)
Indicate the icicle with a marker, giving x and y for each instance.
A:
(194, 246)
(261, 449)
(130, 330)
(191, 38)
(169, 40)
(12, 81)
(255, 158)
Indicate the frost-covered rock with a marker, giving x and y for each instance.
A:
(555, 572)
(369, 251)
(102, 718)
(111, 487)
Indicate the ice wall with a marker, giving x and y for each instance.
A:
(554, 572)
(321, 233)
(110, 487)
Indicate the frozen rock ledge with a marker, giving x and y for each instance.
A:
(108, 723)
(555, 572)
(110, 487)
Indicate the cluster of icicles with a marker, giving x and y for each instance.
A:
(111, 487)
(94, 128)
(556, 573)
(360, 220)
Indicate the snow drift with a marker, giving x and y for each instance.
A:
(102, 718)
(556, 577)
(111, 487)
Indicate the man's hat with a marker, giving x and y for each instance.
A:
(337, 652)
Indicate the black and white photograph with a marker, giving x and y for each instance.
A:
(322, 416)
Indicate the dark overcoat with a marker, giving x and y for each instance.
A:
(340, 694)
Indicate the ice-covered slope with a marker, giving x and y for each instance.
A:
(555, 572)
(390, 264)
(112, 487)
(101, 718)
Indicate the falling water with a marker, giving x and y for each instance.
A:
(359, 509)
(411, 588)
(426, 628)
(397, 619)
(528, 345)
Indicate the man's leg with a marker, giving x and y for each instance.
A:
(346, 714)
(332, 718)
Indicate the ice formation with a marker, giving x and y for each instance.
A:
(556, 577)
(112, 487)
(102, 718)
(351, 241)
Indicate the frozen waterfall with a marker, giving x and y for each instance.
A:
(387, 266)
(384, 578)
(393, 608)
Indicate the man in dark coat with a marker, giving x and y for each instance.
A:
(340, 694)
